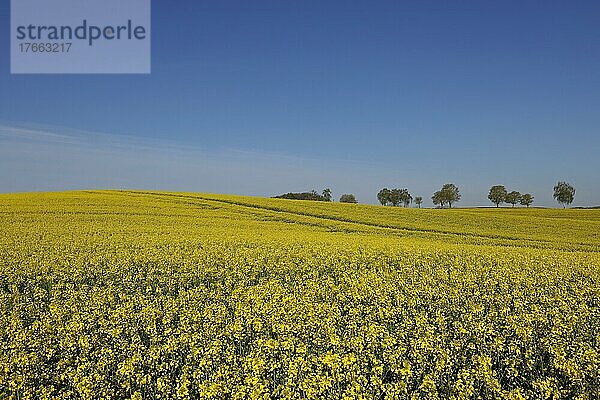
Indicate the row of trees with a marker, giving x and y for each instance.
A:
(449, 194)
(314, 196)
(395, 197)
(345, 198)
(564, 193)
(498, 195)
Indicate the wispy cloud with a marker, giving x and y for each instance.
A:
(29, 134)
(49, 158)
(38, 158)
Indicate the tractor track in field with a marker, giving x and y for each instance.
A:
(514, 240)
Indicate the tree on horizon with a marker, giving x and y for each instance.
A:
(406, 197)
(419, 201)
(526, 200)
(513, 197)
(497, 194)
(564, 193)
(438, 199)
(395, 197)
(448, 194)
(384, 196)
(348, 198)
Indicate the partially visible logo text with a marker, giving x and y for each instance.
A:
(85, 31)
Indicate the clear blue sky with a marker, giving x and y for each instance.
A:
(359, 94)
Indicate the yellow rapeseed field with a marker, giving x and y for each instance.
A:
(154, 295)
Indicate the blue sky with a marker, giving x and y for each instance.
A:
(273, 96)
